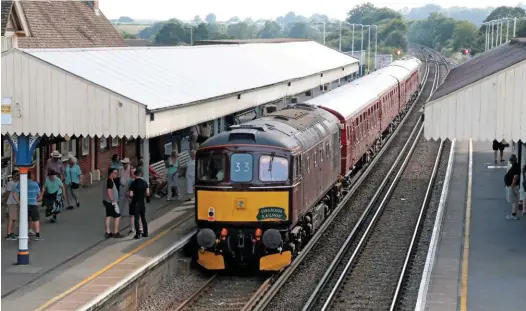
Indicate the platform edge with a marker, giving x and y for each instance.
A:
(114, 290)
(431, 253)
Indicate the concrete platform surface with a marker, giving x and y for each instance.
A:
(486, 271)
(75, 251)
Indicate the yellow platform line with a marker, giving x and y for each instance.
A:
(465, 257)
(109, 266)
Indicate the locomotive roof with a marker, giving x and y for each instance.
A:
(296, 126)
(351, 98)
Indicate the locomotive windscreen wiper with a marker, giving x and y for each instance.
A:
(270, 165)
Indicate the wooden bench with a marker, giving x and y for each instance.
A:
(160, 168)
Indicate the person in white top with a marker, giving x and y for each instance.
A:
(194, 133)
(13, 209)
(190, 176)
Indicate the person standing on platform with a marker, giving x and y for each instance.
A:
(13, 208)
(512, 182)
(33, 194)
(116, 164)
(173, 177)
(139, 192)
(55, 164)
(190, 176)
(110, 197)
(73, 174)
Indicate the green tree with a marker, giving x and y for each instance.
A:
(201, 32)
(173, 33)
(125, 19)
(211, 18)
(240, 31)
(127, 35)
(151, 31)
(464, 35)
(197, 20)
(505, 11)
(396, 39)
(234, 19)
(300, 30)
(270, 30)
(361, 13)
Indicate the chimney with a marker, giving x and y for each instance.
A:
(95, 6)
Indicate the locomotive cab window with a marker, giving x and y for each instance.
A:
(272, 168)
(211, 167)
(241, 167)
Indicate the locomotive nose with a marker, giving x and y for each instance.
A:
(206, 238)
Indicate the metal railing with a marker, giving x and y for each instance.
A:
(494, 31)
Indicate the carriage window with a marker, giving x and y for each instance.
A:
(211, 167)
(315, 159)
(321, 153)
(272, 168)
(241, 167)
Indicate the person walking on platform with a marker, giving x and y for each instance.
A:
(190, 176)
(173, 177)
(55, 164)
(140, 194)
(194, 134)
(125, 173)
(53, 194)
(13, 209)
(110, 197)
(73, 174)
(512, 181)
(33, 195)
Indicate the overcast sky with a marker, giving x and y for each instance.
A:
(224, 9)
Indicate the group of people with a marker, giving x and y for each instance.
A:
(60, 186)
(125, 188)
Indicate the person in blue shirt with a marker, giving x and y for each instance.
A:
(72, 180)
(53, 194)
(33, 194)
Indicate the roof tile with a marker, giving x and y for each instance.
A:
(67, 24)
(482, 66)
(6, 9)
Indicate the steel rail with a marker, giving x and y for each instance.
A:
(418, 226)
(339, 256)
(375, 218)
(357, 181)
(196, 294)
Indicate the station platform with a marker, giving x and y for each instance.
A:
(480, 258)
(74, 263)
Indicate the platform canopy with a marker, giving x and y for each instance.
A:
(483, 99)
(150, 91)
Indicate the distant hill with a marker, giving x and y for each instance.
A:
(474, 15)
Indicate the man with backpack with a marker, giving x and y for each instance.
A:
(512, 182)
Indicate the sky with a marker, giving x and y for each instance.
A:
(186, 10)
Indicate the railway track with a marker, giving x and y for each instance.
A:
(228, 293)
(286, 291)
(292, 290)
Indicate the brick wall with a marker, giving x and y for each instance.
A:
(84, 161)
(131, 152)
(103, 159)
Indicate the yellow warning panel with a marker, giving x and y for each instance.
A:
(210, 260)
(275, 262)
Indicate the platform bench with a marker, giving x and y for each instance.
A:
(160, 168)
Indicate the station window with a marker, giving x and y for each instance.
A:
(241, 167)
(272, 168)
(211, 167)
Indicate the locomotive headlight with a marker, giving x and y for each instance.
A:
(206, 238)
(272, 239)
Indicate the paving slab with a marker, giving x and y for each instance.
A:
(74, 249)
(497, 247)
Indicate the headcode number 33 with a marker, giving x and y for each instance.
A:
(238, 167)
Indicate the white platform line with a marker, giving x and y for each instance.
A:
(110, 292)
(431, 253)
